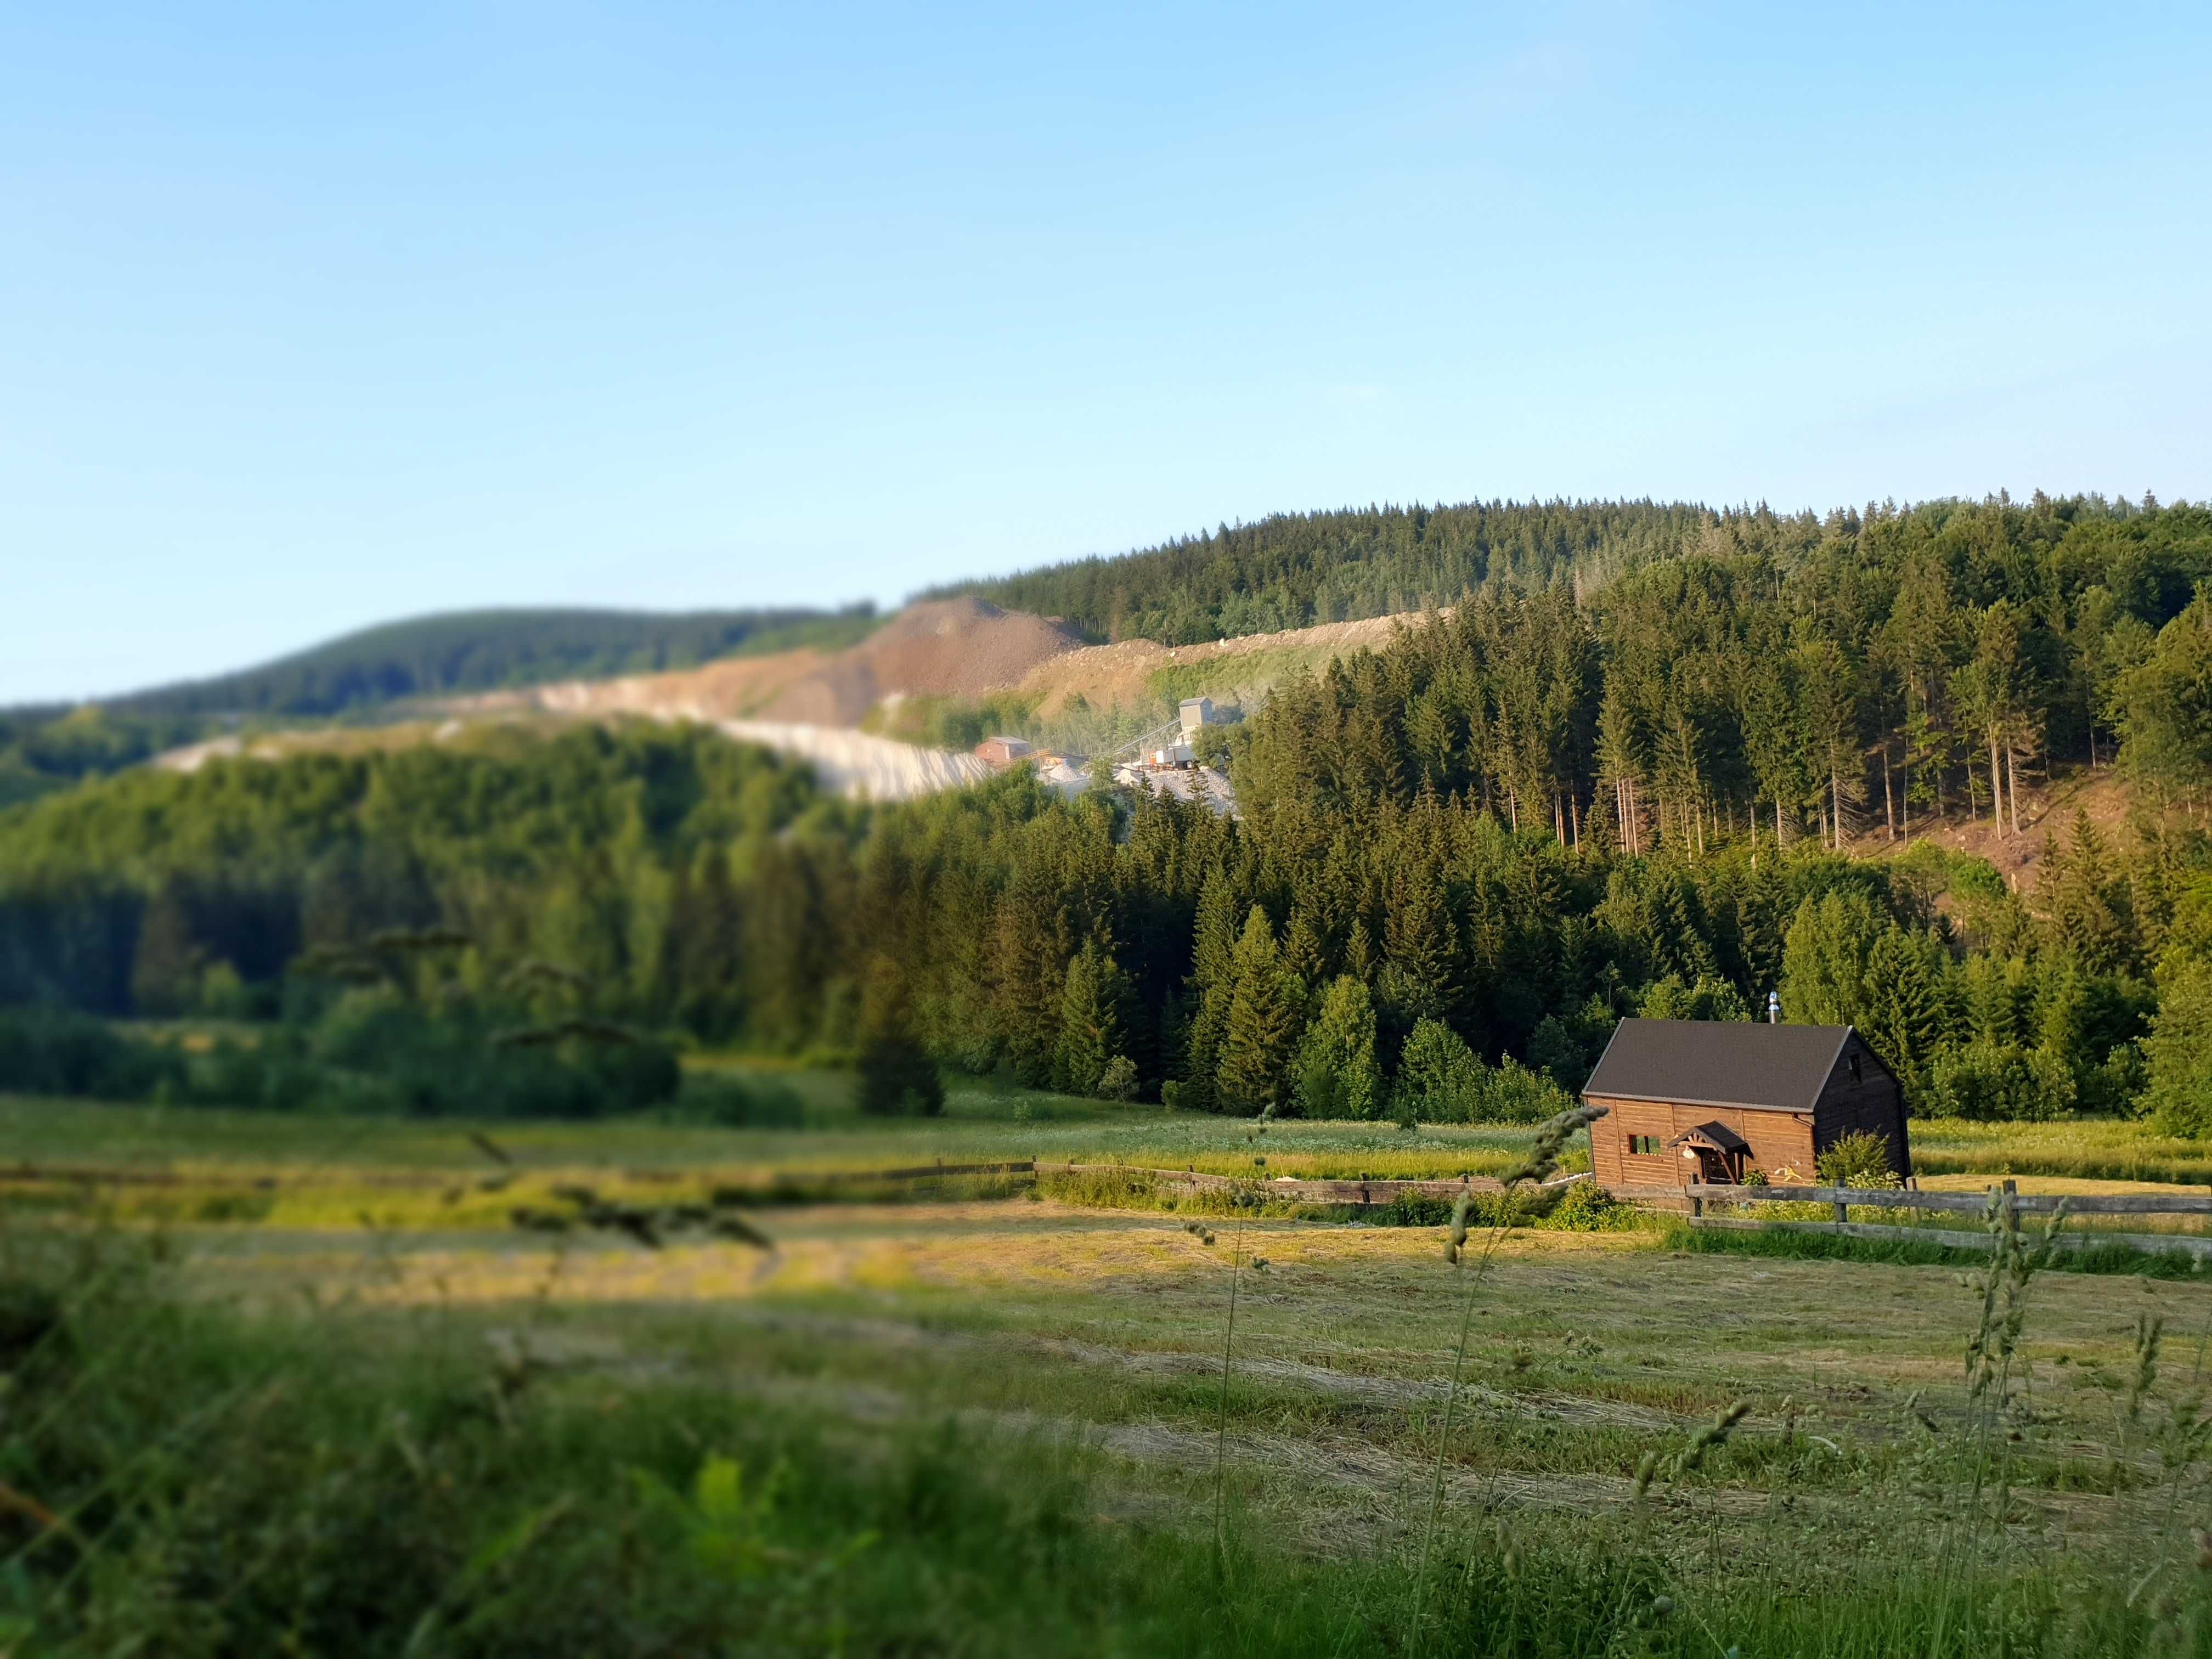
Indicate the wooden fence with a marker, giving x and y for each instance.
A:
(2006, 1195)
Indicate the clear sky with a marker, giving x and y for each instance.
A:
(312, 316)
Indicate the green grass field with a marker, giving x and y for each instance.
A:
(2096, 1149)
(1011, 1426)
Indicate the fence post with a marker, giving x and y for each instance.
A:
(1697, 1205)
(1843, 1212)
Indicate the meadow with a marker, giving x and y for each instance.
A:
(283, 1382)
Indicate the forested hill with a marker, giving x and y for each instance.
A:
(1292, 570)
(1458, 858)
(51, 746)
(490, 650)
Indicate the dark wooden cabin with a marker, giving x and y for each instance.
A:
(1713, 1100)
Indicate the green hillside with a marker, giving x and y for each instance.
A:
(49, 746)
(1295, 569)
(1456, 859)
(492, 650)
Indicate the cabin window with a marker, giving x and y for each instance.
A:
(1645, 1145)
(1855, 1069)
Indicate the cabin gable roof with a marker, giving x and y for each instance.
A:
(1699, 1062)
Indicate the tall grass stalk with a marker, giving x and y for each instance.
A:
(1221, 1426)
(1543, 1158)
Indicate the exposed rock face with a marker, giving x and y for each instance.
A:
(941, 649)
(861, 767)
(945, 647)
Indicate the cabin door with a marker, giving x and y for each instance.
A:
(1717, 1168)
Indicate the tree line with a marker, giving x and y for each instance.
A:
(1402, 953)
(1458, 860)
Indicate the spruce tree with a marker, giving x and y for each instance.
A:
(898, 1076)
(1260, 1037)
(2087, 903)
(1825, 960)
(1092, 1028)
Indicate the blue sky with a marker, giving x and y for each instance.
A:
(311, 317)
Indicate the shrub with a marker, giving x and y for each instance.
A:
(1439, 1078)
(1858, 1159)
(899, 1080)
(1587, 1208)
(1118, 1080)
(53, 1052)
(1511, 1093)
(1337, 1073)
(741, 1103)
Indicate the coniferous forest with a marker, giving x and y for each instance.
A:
(1633, 759)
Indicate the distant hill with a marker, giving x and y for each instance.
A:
(1293, 570)
(490, 651)
(49, 746)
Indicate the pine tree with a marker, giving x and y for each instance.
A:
(2087, 903)
(898, 1076)
(1091, 1026)
(1303, 953)
(1213, 975)
(2180, 1049)
(1419, 931)
(709, 972)
(1260, 1036)
(1825, 960)
(1907, 1014)
(164, 974)
(1360, 953)
(1030, 974)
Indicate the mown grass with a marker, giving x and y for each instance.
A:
(996, 1421)
(186, 1479)
(980, 1121)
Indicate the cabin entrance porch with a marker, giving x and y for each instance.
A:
(1713, 1154)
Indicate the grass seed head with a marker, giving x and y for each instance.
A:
(2150, 1330)
(1551, 1137)
(1647, 1470)
(1461, 1205)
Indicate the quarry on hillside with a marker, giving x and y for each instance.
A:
(961, 648)
(849, 764)
(940, 648)
(1130, 672)
(808, 703)
(860, 767)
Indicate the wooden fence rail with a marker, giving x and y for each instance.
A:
(1905, 1198)
(1845, 1199)
(930, 1171)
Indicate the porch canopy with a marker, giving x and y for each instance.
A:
(1712, 1138)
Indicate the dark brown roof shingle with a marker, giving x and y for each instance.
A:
(1718, 1063)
